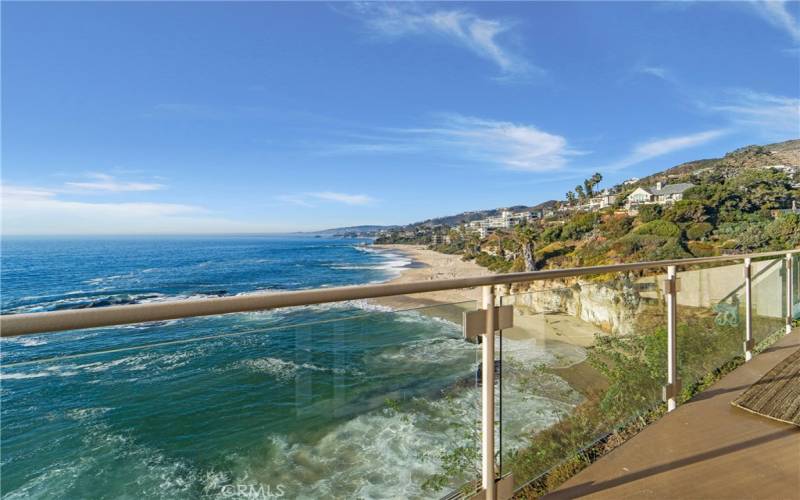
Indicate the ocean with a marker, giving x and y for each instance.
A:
(347, 400)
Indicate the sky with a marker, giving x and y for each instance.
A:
(149, 118)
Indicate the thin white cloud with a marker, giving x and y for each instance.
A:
(656, 71)
(105, 182)
(513, 146)
(310, 200)
(291, 199)
(479, 35)
(760, 112)
(34, 211)
(347, 199)
(777, 13)
(659, 147)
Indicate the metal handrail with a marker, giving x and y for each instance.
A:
(55, 321)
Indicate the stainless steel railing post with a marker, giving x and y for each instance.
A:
(748, 311)
(487, 397)
(789, 292)
(672, 358)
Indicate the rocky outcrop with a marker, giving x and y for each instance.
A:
(611, 307)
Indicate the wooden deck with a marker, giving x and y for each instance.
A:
(705, 449)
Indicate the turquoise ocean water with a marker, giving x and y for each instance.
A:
(345, 400)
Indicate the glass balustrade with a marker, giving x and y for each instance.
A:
(582, 360)
(333, 401)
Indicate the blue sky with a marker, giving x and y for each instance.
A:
(270, 117)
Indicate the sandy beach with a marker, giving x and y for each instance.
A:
(431, 265)
(554, 332)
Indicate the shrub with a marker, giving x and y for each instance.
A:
(493, 262)
(702, 249)
(615, 226)
(551, 234)
(659, 228)
(578, 225)
(649, 213)
(784, 232)
(554, 249)
(698, 230)
(688, 211)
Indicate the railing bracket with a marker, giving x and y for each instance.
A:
(672, 286)
(670, 391)
(475, 321)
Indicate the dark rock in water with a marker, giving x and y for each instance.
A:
(215, 293)
(479, 372)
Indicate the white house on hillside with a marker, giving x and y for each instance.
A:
(660, 194)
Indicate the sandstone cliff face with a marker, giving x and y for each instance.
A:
(611, 307)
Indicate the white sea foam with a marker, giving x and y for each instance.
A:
(25, 340)
(282, 369)
(389, 454)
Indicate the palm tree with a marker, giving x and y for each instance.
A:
(579, 191)
(570, 198)
(525, 235)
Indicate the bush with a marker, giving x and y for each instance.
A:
(702, 249)
(659, 228)
(688, 211)
(615, 226)
(649, 213)
(551, 234)
(493, 262)
(698, 231)
(579, 225)
(784, 232)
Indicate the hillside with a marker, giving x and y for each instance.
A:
(781, 153)
(463, 217)
(739, 203)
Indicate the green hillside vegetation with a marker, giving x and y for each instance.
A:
(730, 210)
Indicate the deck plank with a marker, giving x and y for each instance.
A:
(705, 449)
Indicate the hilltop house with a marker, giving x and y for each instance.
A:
(660, 193)
(601, 201)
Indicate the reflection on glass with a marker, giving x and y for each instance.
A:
(710, 321)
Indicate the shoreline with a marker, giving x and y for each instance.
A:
(428, 265)
(547, 331)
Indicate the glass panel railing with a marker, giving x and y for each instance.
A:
(710, 322)
(581, 361)
(330, 401)
(769, 298)
(796, 286)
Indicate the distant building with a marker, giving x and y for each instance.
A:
(660, 194)
(505, 220)
(632, 180)
(605, 199)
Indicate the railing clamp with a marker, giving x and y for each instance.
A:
(672, 286)
(475, 321)
(671, 391)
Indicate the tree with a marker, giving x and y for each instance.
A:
(570, 198)
(525, 234)
(581, 195)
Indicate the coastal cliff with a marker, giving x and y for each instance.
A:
(612, 307)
